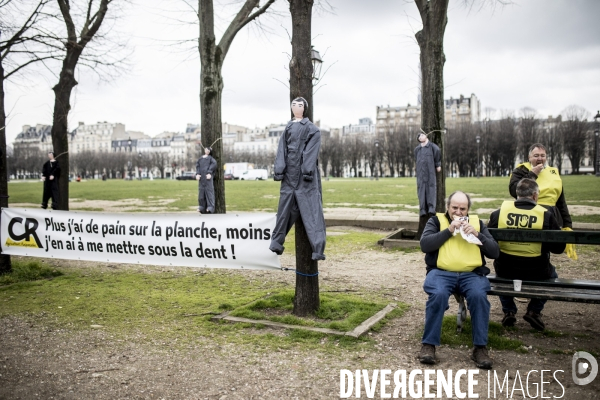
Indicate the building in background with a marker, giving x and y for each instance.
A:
(365, 126)
(460, 110)
(97, 137)
(38, 136)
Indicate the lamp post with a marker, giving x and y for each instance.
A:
(478, 138)
(317, 62)
(376, 158)
(183, 162)
(596, 133)
(487, 135)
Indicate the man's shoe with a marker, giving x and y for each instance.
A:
(535, 320)
(509, 319)
(481, 358)
(427, 354)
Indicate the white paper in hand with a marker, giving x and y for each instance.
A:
(470, 238)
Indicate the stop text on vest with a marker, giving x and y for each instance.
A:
(515, 220)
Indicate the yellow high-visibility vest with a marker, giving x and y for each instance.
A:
(512, 217)
(458, 255)
(550, 184)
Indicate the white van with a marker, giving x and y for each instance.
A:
(254, 175)
(237, 169)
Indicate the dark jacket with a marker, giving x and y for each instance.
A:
(297, 159)
(51, 168)
(527, 268)
(561, 212)
(206, 165)
(432, 239)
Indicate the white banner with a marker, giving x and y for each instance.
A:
(238, 241)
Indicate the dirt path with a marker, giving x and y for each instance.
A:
(37, 362)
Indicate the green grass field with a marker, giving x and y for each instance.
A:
(392, 194)
(174, 305)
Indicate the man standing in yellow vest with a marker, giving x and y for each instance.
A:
(455, 244)
(548, 179)
(525, 261)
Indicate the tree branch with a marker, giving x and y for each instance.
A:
(20, 67)
(207, 26)
(242, 18)
(25, 27)
(260, 11)
(422, 6)
(65, 10)
(97, 18)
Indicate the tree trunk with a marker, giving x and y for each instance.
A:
(65, 85)
(431, 43)
(60, 129)
(5, 265)
(211, 88)
(212, 56)
(306, 300)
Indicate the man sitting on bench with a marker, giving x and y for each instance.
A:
(456, 265)
(525, 261)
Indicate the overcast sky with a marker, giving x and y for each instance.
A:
(543, 54)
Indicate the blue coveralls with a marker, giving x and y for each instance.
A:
(427, 159)
(206, 191)
(300, 194)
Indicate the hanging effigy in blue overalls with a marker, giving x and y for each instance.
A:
(296, 166)
(428, 159)
(205, 170)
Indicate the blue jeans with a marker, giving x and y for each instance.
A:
(535, 305)
(439, 285)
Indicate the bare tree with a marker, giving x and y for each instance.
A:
(574, 129)
(212, 56)
(160, 161)
(461, 148)
(22, 44)
(338, 156)
(554, 141)
(507, 142)
(306, 300)
(27, 161)
(392, 149)
(92, 16)
(528, 130)
(431, 43)
(407, 155)
(144, 162)
(398, 150)
(325, 155)
(84, 163)
(434, 16)
(113, 163)
(371, 156)
(354, 151)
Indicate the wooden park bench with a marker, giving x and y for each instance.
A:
(560, 289)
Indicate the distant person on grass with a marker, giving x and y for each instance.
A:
(205, 169)
(50, 175)
(455, 264)
(525, 261)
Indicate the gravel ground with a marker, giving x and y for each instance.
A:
(37, 362)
